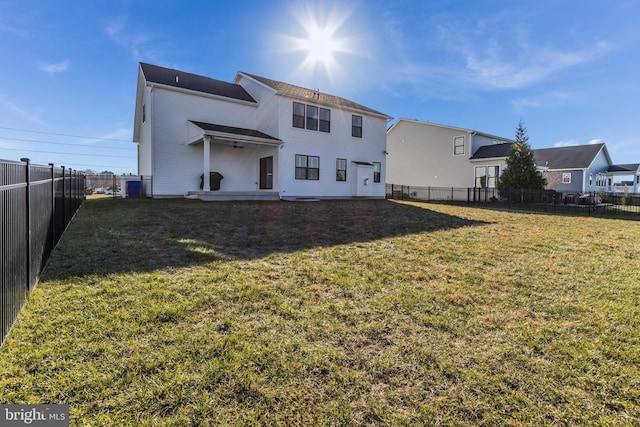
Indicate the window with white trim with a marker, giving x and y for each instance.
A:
(487, 176)
(298, 115)
(377, 170)
(356, 126)
(458, 145)
(566, 177)
(307, 167)
(311, 117)
(341, 169)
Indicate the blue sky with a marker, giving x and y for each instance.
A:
(568, 69)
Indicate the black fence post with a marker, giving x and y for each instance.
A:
(28, 219)
(53, 206)
(64, 207)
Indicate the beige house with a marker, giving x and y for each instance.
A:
(433, 155)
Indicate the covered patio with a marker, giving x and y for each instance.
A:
(245, 159)
(631, 170)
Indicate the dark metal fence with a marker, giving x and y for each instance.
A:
(617, 205)
(36, 205)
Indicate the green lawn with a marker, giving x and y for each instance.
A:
(178, 312)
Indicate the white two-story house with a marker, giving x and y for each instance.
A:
(256, 138)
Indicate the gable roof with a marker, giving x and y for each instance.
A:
(573, 157)
(294, 91)
(492, 151)
(195, 82)
(500, 139)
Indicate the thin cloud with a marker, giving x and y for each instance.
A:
(544, 100)
(12, 106)
(496, 53)
(569, 143)
(57, 67)
(500, 62)
(116, 30)
(595, 141)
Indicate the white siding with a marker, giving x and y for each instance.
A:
(422, 155)
(177, 166)
(329, 146)
(268, 112)
(144, 144)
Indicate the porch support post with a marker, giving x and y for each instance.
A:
(206, 186)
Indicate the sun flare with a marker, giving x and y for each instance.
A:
(320, 46)
(322, 40)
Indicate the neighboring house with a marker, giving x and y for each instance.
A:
(579, 168)
(265, 139)
(426, 154)
(433, 155)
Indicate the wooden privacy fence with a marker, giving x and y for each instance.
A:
(36, 205)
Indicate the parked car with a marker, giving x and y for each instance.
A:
(115, 191)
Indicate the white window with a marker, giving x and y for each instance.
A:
(487, 176)
(458, 145)
(566, 178)
(341, 169)
(307, 167)
(356, 126)
(311, 117)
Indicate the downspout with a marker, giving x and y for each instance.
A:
(151, 139)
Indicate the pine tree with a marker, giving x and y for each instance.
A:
(521, 171)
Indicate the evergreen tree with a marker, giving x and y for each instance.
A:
(521, 171)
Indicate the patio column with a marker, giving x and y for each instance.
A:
(207, 163)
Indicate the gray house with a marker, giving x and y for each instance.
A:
(583, 168)
(579, 168)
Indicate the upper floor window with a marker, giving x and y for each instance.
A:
(341, 169)
(325, 120)
(377, 169)
(307, 167)
(298, 115)
(458, 145)
(566, 178)
(144, 113)
(356, 126)
(311, 117)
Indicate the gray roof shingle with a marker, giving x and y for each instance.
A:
(180, 79)
(573, 157)
(310, 94)
(233, 130)
(492, 151)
